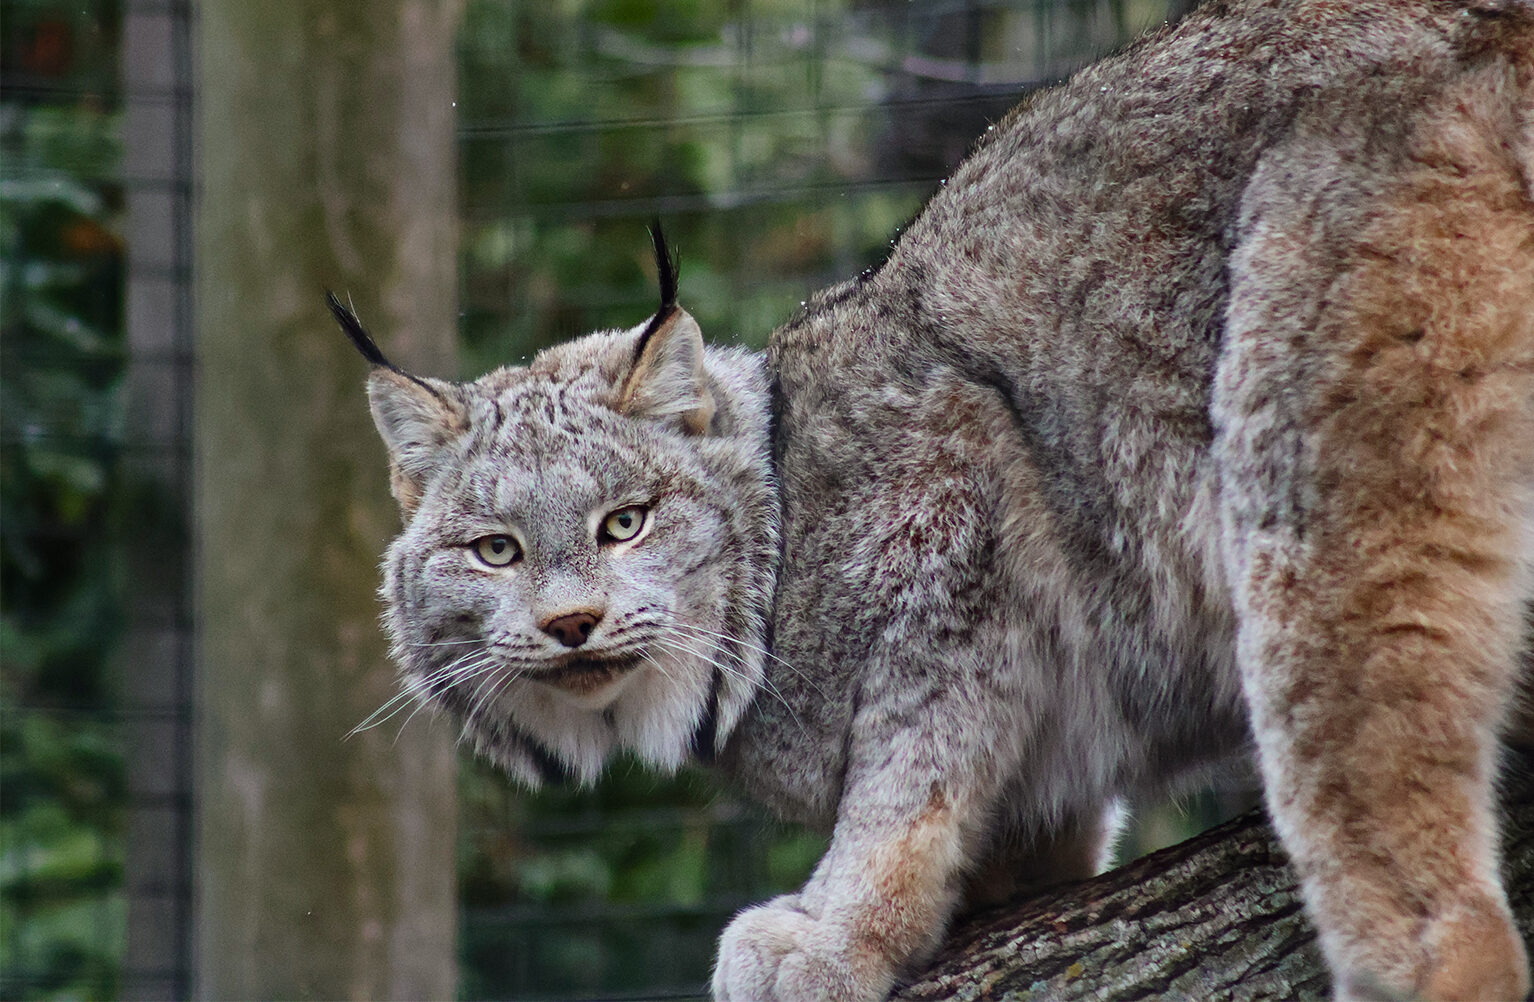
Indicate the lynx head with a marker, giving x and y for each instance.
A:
(589, 543)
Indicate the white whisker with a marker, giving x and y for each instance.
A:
(676, 683)
(396, 702)
(678, 641)
(749, 646)
(498, 682)
(468, 671)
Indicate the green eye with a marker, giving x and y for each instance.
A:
(623, 524)
(496, 551)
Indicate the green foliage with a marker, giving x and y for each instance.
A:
(62, 782)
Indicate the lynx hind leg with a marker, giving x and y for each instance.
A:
(1375, 439)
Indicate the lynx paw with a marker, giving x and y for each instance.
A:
(777, 952)
(1475, 953)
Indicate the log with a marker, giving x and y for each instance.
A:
(1218, 916)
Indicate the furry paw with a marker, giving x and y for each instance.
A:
(1472, 952)
(777, 952)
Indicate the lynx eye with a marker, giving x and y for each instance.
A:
(623, 524)
(496, 551)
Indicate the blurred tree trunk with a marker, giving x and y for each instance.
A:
(1218, 916)
(325, 865)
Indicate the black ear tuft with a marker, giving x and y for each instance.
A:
(666, 270)
(359, 335)
(365, 343)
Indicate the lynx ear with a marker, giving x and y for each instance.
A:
(667, 380)
(416, 417)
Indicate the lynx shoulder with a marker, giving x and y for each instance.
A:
(1192, 422)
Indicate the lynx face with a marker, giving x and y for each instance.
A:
(586, 540)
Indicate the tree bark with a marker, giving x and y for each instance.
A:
(325, 864)
(1218, 916)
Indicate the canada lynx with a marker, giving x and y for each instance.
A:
(1194, 417)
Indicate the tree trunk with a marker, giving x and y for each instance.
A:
(1218, 916)
(325, 864)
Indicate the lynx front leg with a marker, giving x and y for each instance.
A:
(1376, 411)
(910, 816)
(871, 909)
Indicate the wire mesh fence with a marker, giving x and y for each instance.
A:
(782, 143)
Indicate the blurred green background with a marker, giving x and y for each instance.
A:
(782, 142)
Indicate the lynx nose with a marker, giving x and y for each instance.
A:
(572, 629)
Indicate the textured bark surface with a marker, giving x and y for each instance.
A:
(1218, 916)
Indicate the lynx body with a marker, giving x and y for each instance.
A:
(1191, 422)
